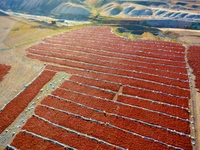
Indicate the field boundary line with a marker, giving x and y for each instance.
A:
(75, 132)
(49, 140)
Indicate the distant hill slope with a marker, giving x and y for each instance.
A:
(3, 14)
(34, 6)
(157, 10)
(71, 9)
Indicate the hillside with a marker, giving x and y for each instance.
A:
(40, 7)
(182, 10)
(157, 10)
(70, 10)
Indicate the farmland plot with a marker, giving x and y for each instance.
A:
(19, 103)
(122, 94)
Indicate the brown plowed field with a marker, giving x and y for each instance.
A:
(122, 94)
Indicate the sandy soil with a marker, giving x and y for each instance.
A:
(197, 99)
(6, 24)
(195, 113)
(23, 70)
(184, 35)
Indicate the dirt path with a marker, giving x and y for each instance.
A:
(197, 99)
(6, 24)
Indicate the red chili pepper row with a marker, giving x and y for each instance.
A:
(124, 80)
(101, 50)
(25, 141)
(116, 47)
(18, 104)
(143, 129)
(91, 57)
(156, 96)
(87, 90)
(154, 106)
(97, 83)
(112, 71)
(3, 70)
(92, 32)
(131, 112)
(50, 131)
(194, 62)
(111, 38)
(100, 131)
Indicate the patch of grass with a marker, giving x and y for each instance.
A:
(125, 34)
(145, 36)
(150, 36)
(185, 43)
(131, 36)
(174, 35)
(15, 29)
(26, 32)
(166, 32)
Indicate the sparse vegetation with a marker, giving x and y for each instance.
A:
(125, 34)
(150, 36)
(174, 35)
(193, 26)
(53, 22)
(26, 32)
(166, 32)
(145, 35)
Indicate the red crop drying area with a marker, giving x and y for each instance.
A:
(122, 94)
(4, 69)
(194, 62)
(30, 142)
(19, 103)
